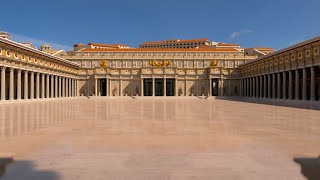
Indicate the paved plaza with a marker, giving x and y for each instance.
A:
(156, 138)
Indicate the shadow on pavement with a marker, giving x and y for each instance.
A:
(310, 167)
(133, 97)
(3, 164)
(314, 105)
(25, 170)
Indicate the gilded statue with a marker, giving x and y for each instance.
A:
(103, 63)
(160, 63)
(214, 63)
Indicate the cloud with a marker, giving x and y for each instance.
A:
(38, 42)
(234, 35)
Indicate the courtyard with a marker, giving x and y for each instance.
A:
(156, 138)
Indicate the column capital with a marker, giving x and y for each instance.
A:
(3, 68)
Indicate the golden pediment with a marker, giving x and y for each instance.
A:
(155, 63)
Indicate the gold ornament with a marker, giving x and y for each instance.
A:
(103, 63)
(214, 63)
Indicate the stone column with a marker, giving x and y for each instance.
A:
(278, 86)
(274, 86)
(26, 85)
(175, 86)
(246, 87)
(284, 85)
(312, 86)
(11, 90)
(265, 87)
(60, 86)
(304, 84)
(153, 87)
(52, 86)
(164, 87)
(70, 87)
(96, 87)
(254, 87)
(269, 85)
(290, 86)
(19, 85)
(37, 85)
(47, 86)
(185, 86)
(240, 94)
(110, 90)
(32, 85)
(297, 86)
(67, 87)
(42, 85)
(56, 86)
(78, 92)
(63, 87)
(120, 91)
(210, 87)
(257, 87)
(261, 86)
(250, 87)
(141, 91)
(3, 83)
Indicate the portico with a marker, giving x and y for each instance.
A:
(290, 74)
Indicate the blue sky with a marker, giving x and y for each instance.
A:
(250, 23)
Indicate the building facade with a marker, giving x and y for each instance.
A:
(206, 71)
(27, 73)
(291, 73)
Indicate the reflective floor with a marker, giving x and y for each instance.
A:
(157, 138)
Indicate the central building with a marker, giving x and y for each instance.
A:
(167, 68)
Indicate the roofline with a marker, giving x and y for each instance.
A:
(13, 43)
(312, 40)
(159, 50)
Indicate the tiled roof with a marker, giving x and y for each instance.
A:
(103, 45)
(77, 45)
(225, 44)
(180, 41)
(264, 48)
(161, 50)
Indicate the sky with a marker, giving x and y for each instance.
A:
(249, 23)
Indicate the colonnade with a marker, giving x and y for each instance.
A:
(298, 84)
(19, 84)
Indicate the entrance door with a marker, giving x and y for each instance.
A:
(158, 87)
(215, 87)
(170, 87)
(147, 87)
(103, 87)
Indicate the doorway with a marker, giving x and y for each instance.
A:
(215, 87)
(147, 87)
(159, 87)
(103, 87)
(170, 87)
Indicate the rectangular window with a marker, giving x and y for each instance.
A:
(138, 64)
(200, 64)
(93, 64)
(190, 64)
(88, 64)
(179, 64)
(230, 64)
(129, 64)
(118, 64)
